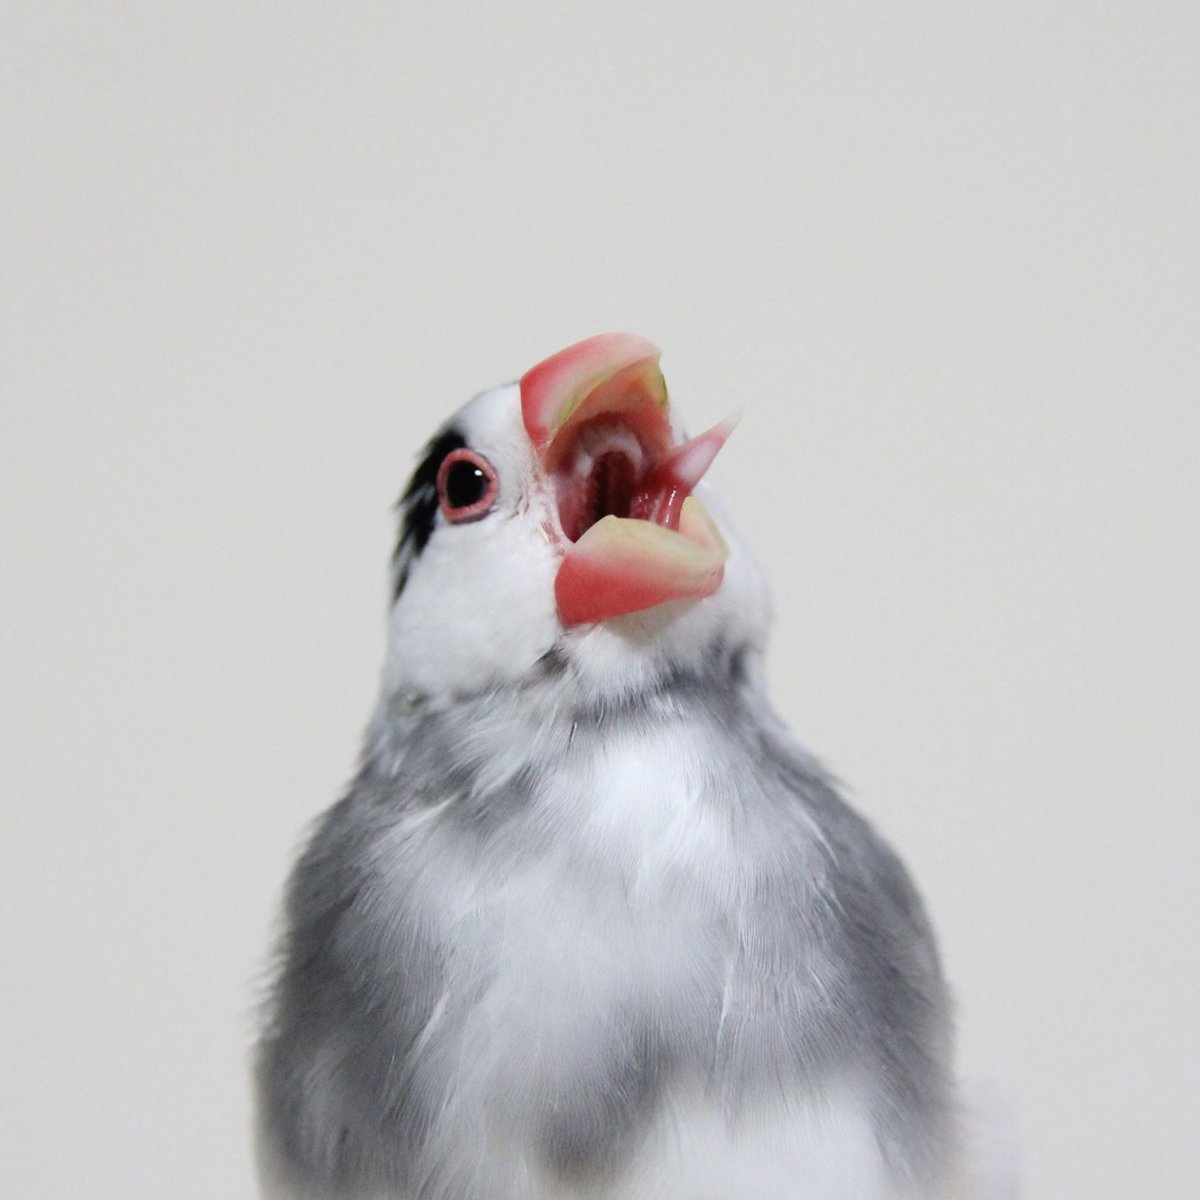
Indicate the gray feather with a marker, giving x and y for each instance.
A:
(806, 956)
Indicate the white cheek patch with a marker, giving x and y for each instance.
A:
(477, 610)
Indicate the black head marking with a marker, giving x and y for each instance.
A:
(419, 504)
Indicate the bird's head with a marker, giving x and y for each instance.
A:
(559, 521)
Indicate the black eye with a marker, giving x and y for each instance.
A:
(466, 485)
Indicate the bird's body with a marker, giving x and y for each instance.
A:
(588, 925)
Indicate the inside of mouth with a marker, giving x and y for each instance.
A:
(607, 489)
(605, 468)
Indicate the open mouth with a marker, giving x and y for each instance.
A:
(597, 414)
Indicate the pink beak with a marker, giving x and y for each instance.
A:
(635, 535)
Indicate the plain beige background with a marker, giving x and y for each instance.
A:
(945, 256)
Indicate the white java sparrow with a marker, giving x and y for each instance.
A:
(589, 924)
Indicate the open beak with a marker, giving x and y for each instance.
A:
(597, 414)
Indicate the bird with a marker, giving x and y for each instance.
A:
(589, 923)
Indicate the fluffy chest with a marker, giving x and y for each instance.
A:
(601, 907)
(593, 1004)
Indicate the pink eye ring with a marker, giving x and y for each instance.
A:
(466, 486)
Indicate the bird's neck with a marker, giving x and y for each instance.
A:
(553, 714)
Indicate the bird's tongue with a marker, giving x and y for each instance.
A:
(597, 416)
